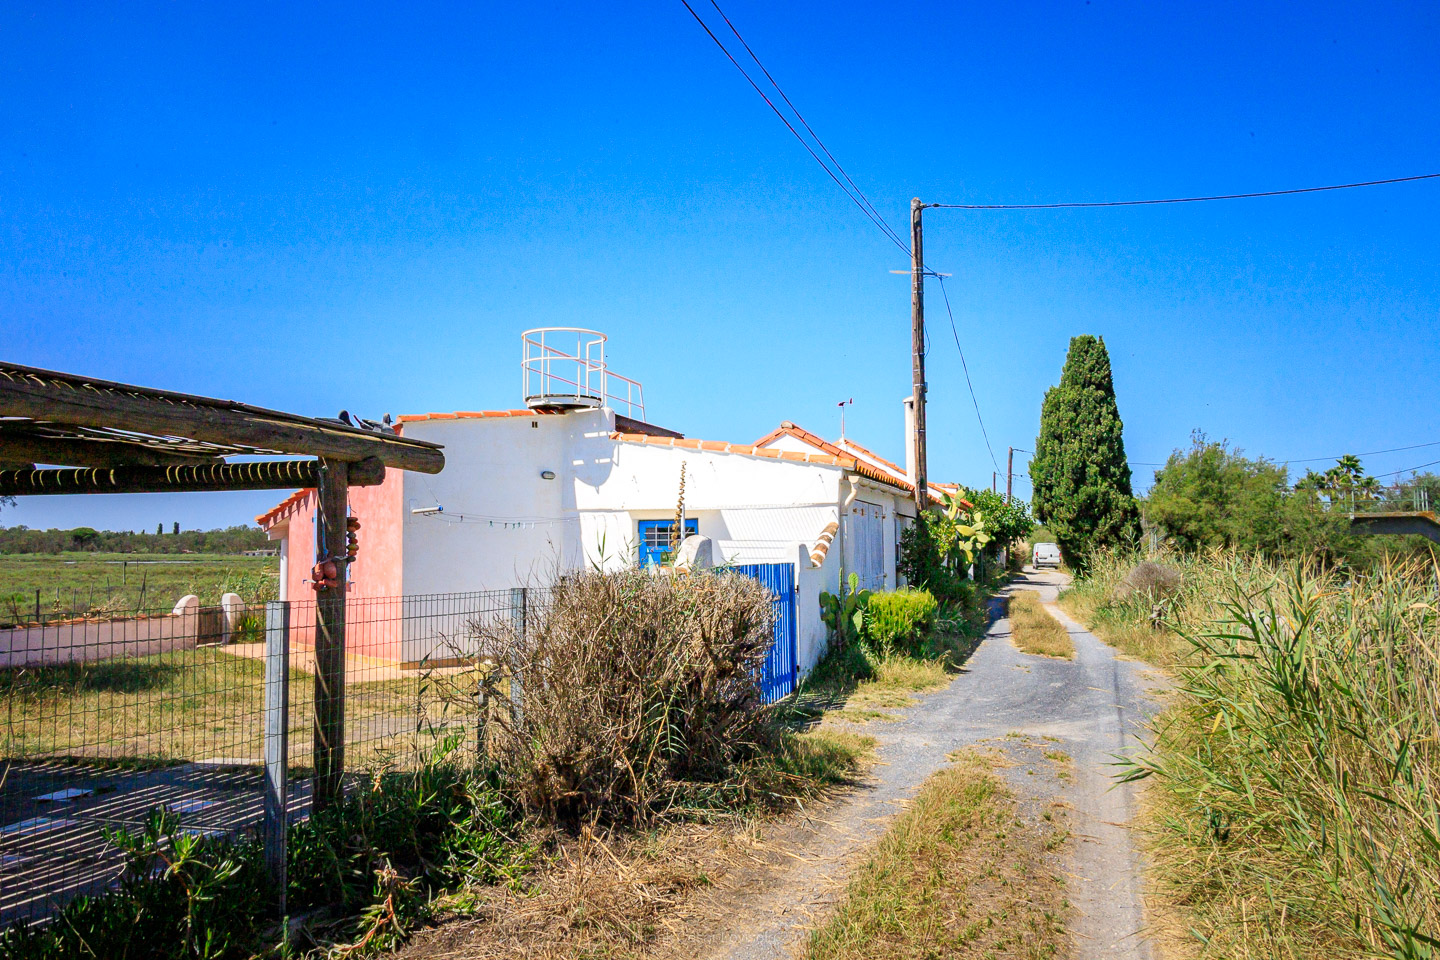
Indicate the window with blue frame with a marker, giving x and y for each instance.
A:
(655, 539)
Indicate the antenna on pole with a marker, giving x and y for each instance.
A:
(842, 405)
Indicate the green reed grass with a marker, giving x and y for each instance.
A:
(1296, 811)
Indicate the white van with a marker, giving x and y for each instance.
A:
(1046, 553)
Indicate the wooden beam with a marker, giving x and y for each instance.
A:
(66, 399)
(260, 475)
(330, 540)
(29, 447)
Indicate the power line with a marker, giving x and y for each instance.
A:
(1396, 473)
(859, 201)
(1148, 203)
(889, 231)
(1367, 453)
(966, 367)
(1372, 453)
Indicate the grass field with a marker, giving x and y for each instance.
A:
(205, 704)
(78, 583)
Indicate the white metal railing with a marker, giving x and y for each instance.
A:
(565, 367)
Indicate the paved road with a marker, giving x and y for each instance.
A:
(1095, 705)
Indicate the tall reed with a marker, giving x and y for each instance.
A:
(1296, 812)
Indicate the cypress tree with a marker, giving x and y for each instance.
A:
(1079, 474)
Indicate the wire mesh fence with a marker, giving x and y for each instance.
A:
(105, 718)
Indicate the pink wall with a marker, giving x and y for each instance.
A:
(373, 625)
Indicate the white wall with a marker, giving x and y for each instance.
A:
(503, 525)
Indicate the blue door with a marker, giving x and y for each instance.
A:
(655, 539)
(782, 667)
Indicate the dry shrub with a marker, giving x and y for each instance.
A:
(1149, 580)
(634, 686)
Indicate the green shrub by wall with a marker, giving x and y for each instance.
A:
(900, 619)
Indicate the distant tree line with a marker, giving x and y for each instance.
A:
(232, 540)
(1214, 496)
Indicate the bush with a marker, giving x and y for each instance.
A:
(922, 563)
(632, 683)
(900, 619)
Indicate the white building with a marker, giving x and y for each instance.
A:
(529, 492)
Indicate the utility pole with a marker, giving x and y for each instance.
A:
(917, 345)
(1009, 473)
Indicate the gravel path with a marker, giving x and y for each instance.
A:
(1094, 706)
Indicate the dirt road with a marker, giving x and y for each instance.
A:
(1093, 708)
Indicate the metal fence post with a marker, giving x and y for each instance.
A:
(518, 603)
(277, 741)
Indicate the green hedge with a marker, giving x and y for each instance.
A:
(900, 619)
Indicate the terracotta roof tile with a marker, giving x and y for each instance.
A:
(284, 508)
(751, 450)
(879, 464)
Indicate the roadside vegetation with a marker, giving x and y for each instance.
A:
(1295, 778)
(959, 873)
(1034, 631)
(1142, 623)
(365, 871)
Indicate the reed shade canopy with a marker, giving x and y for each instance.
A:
(118, 438)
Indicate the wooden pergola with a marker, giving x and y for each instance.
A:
(66, 434)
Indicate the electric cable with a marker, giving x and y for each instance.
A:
(873, 218)
(1147, 203)
(966, 367)
(890, 231)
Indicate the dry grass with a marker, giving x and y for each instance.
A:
(624, 894)
(1034, 631)
(958, 874)
(601, 897)
(895, 680)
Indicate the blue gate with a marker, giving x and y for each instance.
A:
(781, 666)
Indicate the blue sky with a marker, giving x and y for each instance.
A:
(360, 206)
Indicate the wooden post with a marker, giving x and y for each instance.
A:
(917, 345)
(1009, 473)
(330, 636)
(277, 742)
